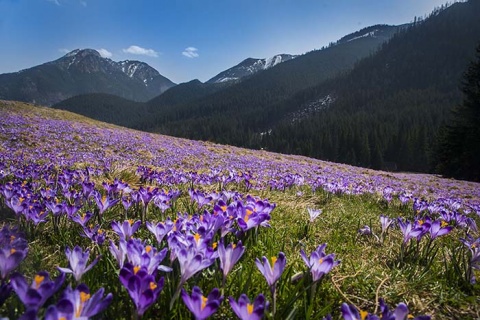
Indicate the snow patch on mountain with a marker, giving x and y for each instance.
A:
(311, 107)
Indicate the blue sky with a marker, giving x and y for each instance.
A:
(186, 39)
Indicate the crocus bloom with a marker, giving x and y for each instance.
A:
(13, 249)
(439, 228)
(385, 222)
(104, 202)
(41, 288)
(141, 286)
(313, 213)
(78, 262)
(229, 255)
(272, 272)
(79, 304)
(349, 312)
(202, 307)
(319, 263)
(120, 252)
(126, 229)
(409, 230)
(192, 261)
(161, 229)
(249, 311)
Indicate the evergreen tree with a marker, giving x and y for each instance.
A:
(458, 147)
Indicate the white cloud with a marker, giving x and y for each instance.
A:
(190, 52)
(141, 51)
(105, 53)
(64, 50)
(83, 3)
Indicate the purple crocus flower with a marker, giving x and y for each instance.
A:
(439, 228)
(141, 286)
(319, 263)
(13, 250)
(202, 307)
(229, 255)
(192, 261)
(120, 252)
(161, 229)
(82, 219)
(104, 202)
(272, 272)
(249, 311)
(34, 296)
(349, 312)
(79, 304)
(313, 213)
(409, 230)
(78, 262)
(126, 229)
(385, 222)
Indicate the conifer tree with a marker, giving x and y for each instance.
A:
(458, 147)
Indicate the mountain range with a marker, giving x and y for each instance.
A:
(249, 67)
(80, 72)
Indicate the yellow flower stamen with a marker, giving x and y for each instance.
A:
(246, 218)
(233, 245)
(12, 251)
(249, 308)
(84, 297)
(224, 208)
(38, 280)
(320, 261)
(274, 259)
(130, 221)
(135, 269)
(420, 222)
(153, 286)
(148, 249)
(410, 316)
(214, 245)
(363, 314)
(204, 302)
(443, 224)
(197, 237)
(249, 212)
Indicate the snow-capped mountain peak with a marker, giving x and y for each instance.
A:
(249, 67)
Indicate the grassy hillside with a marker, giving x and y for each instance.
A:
(58, 170)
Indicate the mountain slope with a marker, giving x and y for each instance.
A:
(386, 112)
(266, 88)
(128, 113)
(79, 72)
(249, 67)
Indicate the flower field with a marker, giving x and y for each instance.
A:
(103, 222)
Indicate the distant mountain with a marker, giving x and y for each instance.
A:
(243, 100)
(106, 107)
(249, 67)
(128, 113)
(80, 72)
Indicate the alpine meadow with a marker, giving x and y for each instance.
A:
(338, 183)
